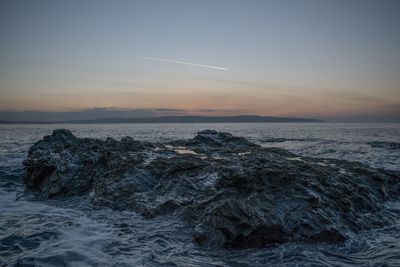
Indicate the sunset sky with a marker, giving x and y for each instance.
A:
(316, 58)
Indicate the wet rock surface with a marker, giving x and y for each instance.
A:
(231, 192)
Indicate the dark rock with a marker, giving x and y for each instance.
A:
(214, 138)
(209, 141)
(233, 193)
(383, 144)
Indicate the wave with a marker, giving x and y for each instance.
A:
(384, 144)
(280, 140)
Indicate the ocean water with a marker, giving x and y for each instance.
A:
(70, 232)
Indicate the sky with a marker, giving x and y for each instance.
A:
(308, 58)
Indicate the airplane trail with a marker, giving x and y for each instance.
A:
(184, 63)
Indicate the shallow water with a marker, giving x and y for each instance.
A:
(71, 232)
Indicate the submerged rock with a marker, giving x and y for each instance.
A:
(233, 193)
(383, 144)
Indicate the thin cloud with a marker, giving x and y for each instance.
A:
(184, 63)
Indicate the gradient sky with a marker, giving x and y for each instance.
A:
(313, 58)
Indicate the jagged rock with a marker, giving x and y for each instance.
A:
(233, 193)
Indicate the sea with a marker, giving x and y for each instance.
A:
(35, 231)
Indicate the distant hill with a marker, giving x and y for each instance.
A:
(175, 119)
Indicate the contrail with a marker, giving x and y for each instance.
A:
(184, 63)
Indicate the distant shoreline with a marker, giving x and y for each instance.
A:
(173, 119)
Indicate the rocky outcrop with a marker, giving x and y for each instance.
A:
(233, 193)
